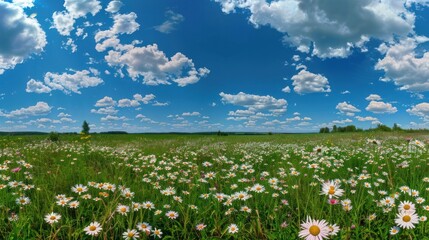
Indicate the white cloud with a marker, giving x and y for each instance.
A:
(341, 122)
(64, 21)
(80, 8)
(421, 110)
(365, 119)
(114, 6)
(110, 110)
(109, 118)
(255, 102)
(405, 66)
(63, 115)
(155, 67)
(173, 19)
(286, 89)
(24, 3)
(240, 112)
(146, 99)
(41, 108)
(122, 24)
(21, 36)
(347, 109)
(318, 26)
(160, 104)
(381, 107)
(64, 82)
(105, 102)
(373, 97)
(128, 103)
(191, 114)
(345, 92)
(37, 87)
(307, 82)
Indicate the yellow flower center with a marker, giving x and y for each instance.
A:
(79, 189)
(130, 234)
(407, 207)
(331, 190)
(406, 218)
(53, 217)
(143, 226)
(92, 228)
(314, 230)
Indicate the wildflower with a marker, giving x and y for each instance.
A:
(246, 209)
(52, 217)
(258, 188)
(333, 229)
(394, 230)
(93, 229)
(131, 234)
(423, 219)
(144, 227)
(79, 188)
(372, 217)
(23, 200)
(200, 226)
(148, 205)
(407, 206)
(406, 220)
(74, 204)
(122, 209)
(232, 228)
(314, 229)
(157, 233)
(332, 189)
(420, 200)
(172, 214)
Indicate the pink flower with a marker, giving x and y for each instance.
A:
(333, 201)
(16, 170)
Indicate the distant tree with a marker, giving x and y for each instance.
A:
(324, 130)
(396, 127)
(383, 128)
(334, 128)
(85, 127)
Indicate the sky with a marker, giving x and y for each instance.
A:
(209, 65)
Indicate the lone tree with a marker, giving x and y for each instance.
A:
(85, 127)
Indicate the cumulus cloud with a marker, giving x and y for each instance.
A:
(146, 99)
(421, 110)
(21, 36)
(173, 19)
(105, 102)
(255, 102)
(24, 3)
(347, 109)
(64, 21)
(381, 107)
(364, 119)
(41, 108)
(114, 6)
(373, 97)
(109, 110)
(110, 118)
(155, 67)
(65, 82)
(128, 103)
(317, 27)
(122, 24)
(308, 82)
(286, 89)
(191, 114)
(403, 65)
(341, 122)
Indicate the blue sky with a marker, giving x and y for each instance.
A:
(209, 65)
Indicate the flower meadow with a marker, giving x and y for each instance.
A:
(335, 186)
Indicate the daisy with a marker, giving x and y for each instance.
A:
(144, 227)
(200, 226)
(172, 214)
(232, 228)
(314, 229)
(407, 206)
(122, 209)
(148, 205)
(157, 233)
(52, 218)
(394, 230)
(93, 229)
(74, 204)
(246, 209)
(23, 200)
(131, 234)
(423, 219)
(333, 229)
(332, 189)
(79, 188)
(406, 219)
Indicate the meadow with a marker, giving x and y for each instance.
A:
(303, 186)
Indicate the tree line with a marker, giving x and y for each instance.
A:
(353, 128)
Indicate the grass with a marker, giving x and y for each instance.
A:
(200, 178)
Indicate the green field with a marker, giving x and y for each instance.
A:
(230, 187)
